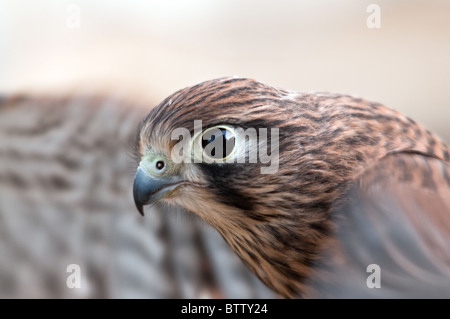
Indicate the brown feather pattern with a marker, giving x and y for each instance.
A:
(278, 224)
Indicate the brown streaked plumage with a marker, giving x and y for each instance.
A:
(288, 227)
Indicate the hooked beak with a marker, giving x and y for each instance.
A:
(148, 189)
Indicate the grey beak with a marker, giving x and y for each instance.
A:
(147, 189)
(144, 188)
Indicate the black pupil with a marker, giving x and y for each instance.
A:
(159, 164)
(227, 139)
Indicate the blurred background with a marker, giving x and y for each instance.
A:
(77, 76)
(153, 48)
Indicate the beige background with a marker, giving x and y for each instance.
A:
(145, 50)
(151, 48)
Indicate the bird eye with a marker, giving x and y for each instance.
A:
(218, 142)
(160, 165)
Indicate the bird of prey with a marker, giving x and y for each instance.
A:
(358, 189)
(65, 198)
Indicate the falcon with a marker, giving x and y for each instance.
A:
(357, 205)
